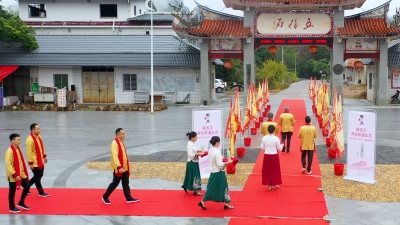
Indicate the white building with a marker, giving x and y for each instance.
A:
(102, 48)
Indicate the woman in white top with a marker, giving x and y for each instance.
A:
(217, 187)
(271, 171)
(192, 180)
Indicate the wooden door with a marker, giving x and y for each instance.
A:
(87, 95)
(98, 87)
(110, 87)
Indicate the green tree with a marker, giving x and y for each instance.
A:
(275, 71)
(235, 74)
(13, 29)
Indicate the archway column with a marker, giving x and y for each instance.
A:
(381, 80)
(205, 73)
(337, 54)
(248, 51)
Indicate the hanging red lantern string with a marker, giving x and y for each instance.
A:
(359, 65)
(312, 49)
(228, 65)
(273, 50)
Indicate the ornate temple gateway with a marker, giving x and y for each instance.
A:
(312, 23)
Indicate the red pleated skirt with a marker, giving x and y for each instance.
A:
(271, 171)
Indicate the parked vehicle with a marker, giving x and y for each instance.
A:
(219, 85)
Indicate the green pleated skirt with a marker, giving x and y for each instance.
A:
(217, 188)
(192, 180)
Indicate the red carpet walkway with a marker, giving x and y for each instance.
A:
(297, 200)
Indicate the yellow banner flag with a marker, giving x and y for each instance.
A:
(326, 115)
(254, 114)
(247, 112)
(339, 139)
(320, 99)
(259, 98)
(333, 122)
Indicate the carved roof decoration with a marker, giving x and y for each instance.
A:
(371, 23)
(245, 4)
(206, 22)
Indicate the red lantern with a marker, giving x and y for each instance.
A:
(313, 49)
(359, 65)
(228, 65)
(272, 50)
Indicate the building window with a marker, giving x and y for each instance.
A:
(134, 10)
(370, 81)
(61, 81)
(108, 11)
(140, 11)
(147, 32)
(37, 10)
(130, 82)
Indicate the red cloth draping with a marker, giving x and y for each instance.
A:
(6, 70)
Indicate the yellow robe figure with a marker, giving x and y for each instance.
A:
(9, 160)
(286, 120)
(307, 134)
(115, 164)
(265, 125)
(31, 150)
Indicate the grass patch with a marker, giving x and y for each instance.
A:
(358, 87)
(362, 95)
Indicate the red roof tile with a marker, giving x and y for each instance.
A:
(212, 28)
(366, 27)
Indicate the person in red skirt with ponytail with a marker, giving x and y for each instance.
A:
(271, 170)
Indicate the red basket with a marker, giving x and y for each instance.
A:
(339, 169)
(265, 114)
(261, 119)
(331, 153)
(241, 151)
(231, 168)
(257, 124)
(325, 132)
(328, 142)
(253, 131)
(247, 141)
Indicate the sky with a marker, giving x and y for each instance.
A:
(220, 6)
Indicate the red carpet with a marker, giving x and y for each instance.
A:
(298, 200)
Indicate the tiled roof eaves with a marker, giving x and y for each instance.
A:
(143, 60)
(374, 27)
(368, 11)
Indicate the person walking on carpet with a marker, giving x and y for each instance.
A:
(217, 187)
(271, 170)
(37, 157)
(17, 174)
(192, 180)
(264, 128)
(286, 120)
(120, 168)
(307, 134)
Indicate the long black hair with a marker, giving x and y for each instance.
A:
(191, 135)
(214, 140)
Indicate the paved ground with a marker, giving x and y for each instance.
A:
(74, 138)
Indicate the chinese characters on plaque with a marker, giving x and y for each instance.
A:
(293, 23)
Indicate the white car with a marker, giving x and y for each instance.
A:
(219, 85)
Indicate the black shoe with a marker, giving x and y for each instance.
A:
(23, 206)
(44, 195)
(15, 210)
(202, 205)
(106, 201)
(131, 200)
(184, 188)
(287, 151)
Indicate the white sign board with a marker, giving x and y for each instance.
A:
(62, 98)
(305, 23)
(396, 79)
(361, 143)
(207, 123)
